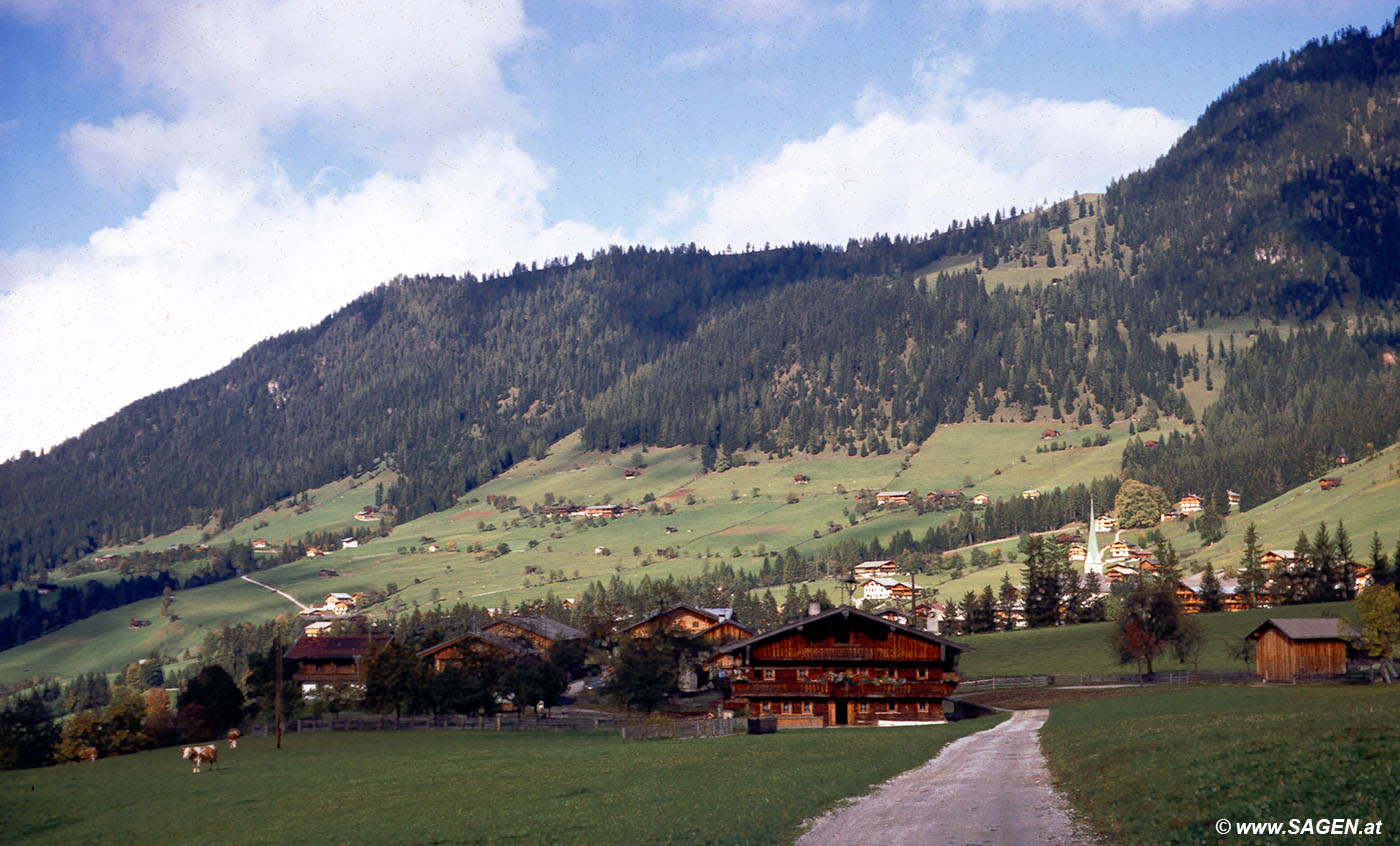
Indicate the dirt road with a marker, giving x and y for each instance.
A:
(990, 788)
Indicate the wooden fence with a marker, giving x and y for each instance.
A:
(678, 729)
(459, 722)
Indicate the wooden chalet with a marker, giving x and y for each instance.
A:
(538, 633)
(867, 569)
(1329, 483)
(981, 499)
(1285, 650)
(703, 630)
(843, 667)
(460, 651)
(896, 497)
(717, 624)
(333, 660)
(1105, 523)
(1189, 504)
(801, 479)
(1030, 493)
(1276, 557)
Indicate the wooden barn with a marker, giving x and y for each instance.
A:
(538, 633)
(1285, 650)
(464, 649)
(842, 667)
(703, 629)
(333, 660)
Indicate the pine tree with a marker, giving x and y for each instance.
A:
(1210, 590)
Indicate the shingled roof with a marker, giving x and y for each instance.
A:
(543, 626)
(343, 646)
(508, 646)
(1307, 628)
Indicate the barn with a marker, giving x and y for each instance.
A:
(1287, 650)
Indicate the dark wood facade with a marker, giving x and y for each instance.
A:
(333, 660)
(539, 633)
(1287, 650)
(463, 650)
(842, 667)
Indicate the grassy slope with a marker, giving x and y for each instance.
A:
(469, 787)
(1162, 768)
(1368, 501)
(712, 527)
(1083, 649)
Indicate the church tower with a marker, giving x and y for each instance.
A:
(1093, 560)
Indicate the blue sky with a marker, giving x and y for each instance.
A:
(182, 180)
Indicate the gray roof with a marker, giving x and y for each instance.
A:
(542, 626)
(1308, 628)
(500, 643)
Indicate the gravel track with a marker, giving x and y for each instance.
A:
(987, 788)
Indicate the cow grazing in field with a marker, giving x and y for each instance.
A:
(200, 754)
(87, 753)
(233, 735)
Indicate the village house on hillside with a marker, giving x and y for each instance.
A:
(333, 660)
(539, 633)
(896, 497)
(883, 567)
(1287, 650)
(885, 588)
(843, 667)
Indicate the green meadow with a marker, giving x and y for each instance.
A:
(1083, 649)
(466, 787)
(1165, 767)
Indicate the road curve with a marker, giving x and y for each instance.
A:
(990, 788)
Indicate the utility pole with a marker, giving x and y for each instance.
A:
(277, 695)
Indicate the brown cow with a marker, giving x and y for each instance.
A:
(87, 753)
(233, 735)
(200, 754)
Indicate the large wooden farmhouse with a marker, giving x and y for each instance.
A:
(842, 667)
(333, 660)
(1285, 650)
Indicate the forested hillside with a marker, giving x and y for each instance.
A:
(1280, 202)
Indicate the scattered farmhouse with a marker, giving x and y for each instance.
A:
(981, 499)
(881, 588)
(843, 667)
(896, 497)
(702, 629)
(868, 569)
(1189, 504)
(1030, 493)
(349, 543)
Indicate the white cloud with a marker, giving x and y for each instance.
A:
(382, 81)
(219, 262)
(231, 249)
(913, 166)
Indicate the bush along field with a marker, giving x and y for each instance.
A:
(1165, 767)
(466, 787)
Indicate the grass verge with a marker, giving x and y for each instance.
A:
(1163, 768)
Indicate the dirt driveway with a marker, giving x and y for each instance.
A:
(990, 788)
